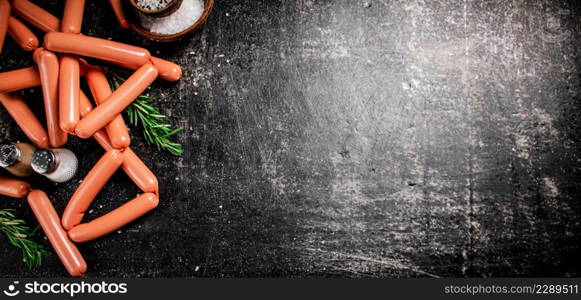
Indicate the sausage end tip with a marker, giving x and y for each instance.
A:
(80, 271)
(153, 200)
(120, 143)
(81, 133)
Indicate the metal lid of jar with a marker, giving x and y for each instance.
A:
(43, 161)
(9, 155)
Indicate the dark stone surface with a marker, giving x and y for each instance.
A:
(350, 138)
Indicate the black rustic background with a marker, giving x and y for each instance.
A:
(348, 138)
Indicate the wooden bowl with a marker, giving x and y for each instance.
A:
(135, 25)
(157, 13)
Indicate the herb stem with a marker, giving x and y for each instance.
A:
(20, 236)
(155, 129)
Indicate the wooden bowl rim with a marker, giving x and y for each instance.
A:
(135, 26)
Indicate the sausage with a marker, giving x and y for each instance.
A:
(95, 47)
(62, 245)
(85, 105)
(25, 119)
(83, 65)
(73, 16)
(22, 35)
(168, 70)
(100, 136)
(103, 139)
(139, 172)
(118, 11)
(20, 79)
(115, 219)
(4, 17)
(48, 69)
(90, 187)
(133, 166)
(36, 16)
(13, 187)
(69, 92)
(117, 102)
(116, 129)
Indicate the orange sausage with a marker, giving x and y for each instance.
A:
(48, 68)
(139, 172)
(95, 47)
(168, 70)
(117, 102)
(118, 10)
(133, 166)
(49, 221)
(90, 187)
(20, 79)
(73, 16)
(83, 65)
(36, 16)
(13, 187)
(115, 219)
(25, 119)
(100, 136)
(85, 105)
(103, 139)
(69, 92)
(4, 17)
(22, 35)
(116, 129)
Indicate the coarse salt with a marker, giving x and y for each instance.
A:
(185, 16)
(152, 4)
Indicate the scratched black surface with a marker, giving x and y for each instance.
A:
(349, 138)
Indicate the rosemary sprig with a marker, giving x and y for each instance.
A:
(155, 129)
(21, 236)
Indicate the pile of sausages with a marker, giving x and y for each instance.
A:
(70, 112)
